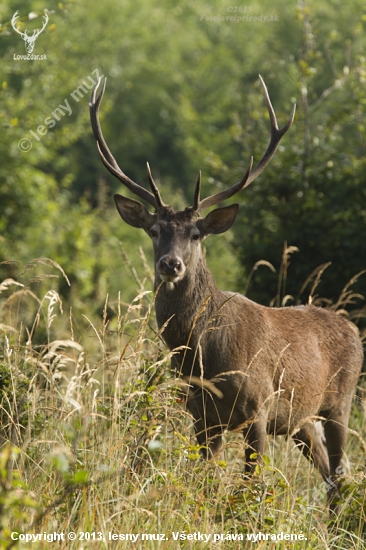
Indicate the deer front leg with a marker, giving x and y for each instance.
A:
(254, 436)
(209, 438)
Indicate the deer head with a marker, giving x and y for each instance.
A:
(29, 40)
(176, 236)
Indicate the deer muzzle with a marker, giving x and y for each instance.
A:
(170, 268)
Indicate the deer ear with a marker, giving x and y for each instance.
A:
(134, 213)
(219, 220)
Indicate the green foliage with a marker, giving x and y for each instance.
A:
(183, 93)
(313, 195)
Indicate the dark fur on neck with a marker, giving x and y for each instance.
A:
(190, 306)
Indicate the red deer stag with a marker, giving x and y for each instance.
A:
(251, 368)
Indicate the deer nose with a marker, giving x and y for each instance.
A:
(170, 266)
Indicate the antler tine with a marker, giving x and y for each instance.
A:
(153, 186)
(45, 16)
(105, 154)
(214, 199)
(14, 22)
(37, 32)
(197, 192)
(276, 135)
(94, 119)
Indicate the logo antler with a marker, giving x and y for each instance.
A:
(29, 40)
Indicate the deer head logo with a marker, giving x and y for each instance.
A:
(29, 40)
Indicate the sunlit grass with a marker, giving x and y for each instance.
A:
(95, 440)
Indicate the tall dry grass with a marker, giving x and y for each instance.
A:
(95, 440)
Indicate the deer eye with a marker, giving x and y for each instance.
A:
(154, 233)
(196, 236)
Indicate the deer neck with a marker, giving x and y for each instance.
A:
(180, 304)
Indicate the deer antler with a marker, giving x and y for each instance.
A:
(276, 135)
(154, 198)
(227, 193)
(37, 32)
(13, 23)
(109, 161)
(24, 34)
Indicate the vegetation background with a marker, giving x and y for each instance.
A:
(183, 93)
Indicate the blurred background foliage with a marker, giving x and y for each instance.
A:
(183, 93)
